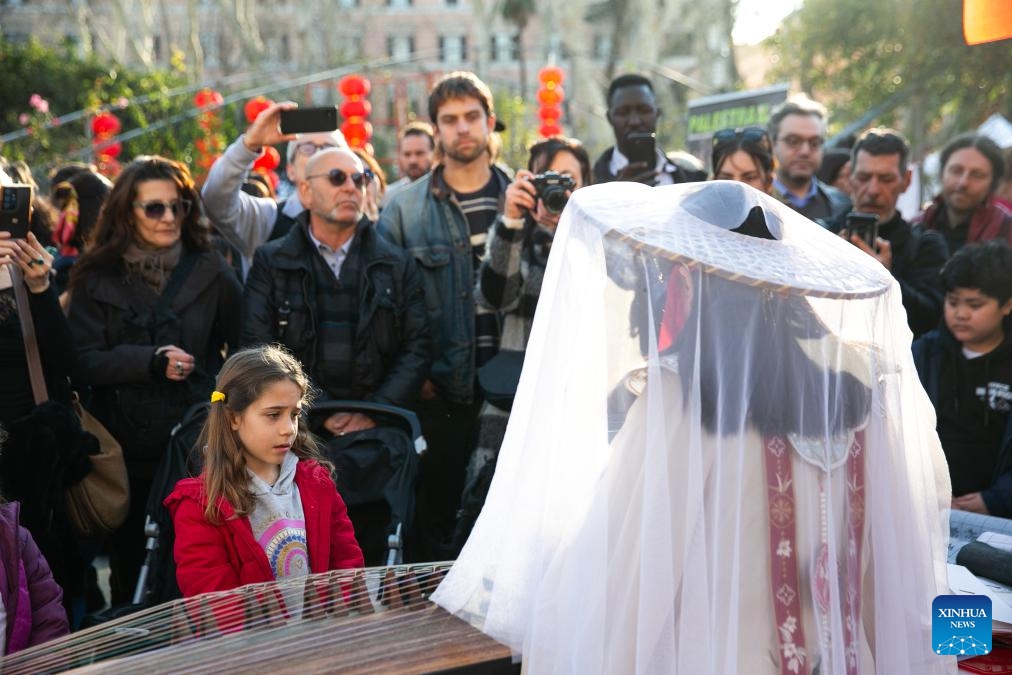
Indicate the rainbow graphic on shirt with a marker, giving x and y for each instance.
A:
(284, 542)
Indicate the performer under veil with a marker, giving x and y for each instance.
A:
(719, 460)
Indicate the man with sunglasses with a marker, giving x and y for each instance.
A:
(345, 301)
(798, 131)
(246, 221)
(633, 113)
(350, 306)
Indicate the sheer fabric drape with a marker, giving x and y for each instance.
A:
(627, 527)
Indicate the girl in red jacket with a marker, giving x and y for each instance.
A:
(265, 507)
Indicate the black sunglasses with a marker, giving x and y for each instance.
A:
(754, 135)
(337, 177)
(156, 209)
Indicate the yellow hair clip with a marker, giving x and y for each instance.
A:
(217, 396)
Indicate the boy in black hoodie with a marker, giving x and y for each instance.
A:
(966, 367)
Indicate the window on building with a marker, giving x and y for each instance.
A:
(209, 45)
(399, 4)
(400, 46)
(453, 49)
(505, 48)
(602, 46)
(156, 48)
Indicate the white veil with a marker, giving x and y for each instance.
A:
(628, 525)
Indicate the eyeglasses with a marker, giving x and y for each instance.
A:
(337, 177)
(308, 148)
(156, 209)
(795, 142)
(754, 135)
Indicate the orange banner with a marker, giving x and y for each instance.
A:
(986, 20)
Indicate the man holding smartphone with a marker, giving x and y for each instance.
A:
(246, 221)
(878, 176)
(633, 114)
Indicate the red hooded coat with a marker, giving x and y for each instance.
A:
(212, 557)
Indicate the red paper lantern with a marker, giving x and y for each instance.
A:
(111, 150)
(105, 124)
(551, 97)
(268, 160)
(206, 98)
(255, 106)
(549, 114)
(551, 76)
(549, 129)
(357, 133)
(354, 86)
(356, 108)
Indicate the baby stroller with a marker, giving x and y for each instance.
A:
(376, 473)
(372, 467)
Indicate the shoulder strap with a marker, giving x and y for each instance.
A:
(176, 281)
(28, 335)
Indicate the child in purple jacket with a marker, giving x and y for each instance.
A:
(32, 603)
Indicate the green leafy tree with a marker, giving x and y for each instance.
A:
(905, 57)
(155, 106)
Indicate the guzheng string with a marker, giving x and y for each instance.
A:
(198, 634)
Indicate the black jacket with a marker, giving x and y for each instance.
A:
(675, 168)
(116, 337)
(392, 344)
(918, 256)
(972, 399)
(56, 351)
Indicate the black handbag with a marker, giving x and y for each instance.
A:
(500, 376)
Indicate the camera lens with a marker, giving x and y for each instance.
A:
(554, 198)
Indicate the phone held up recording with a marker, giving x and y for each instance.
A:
(864, 225)
(15, 209)
(642, 146)
(308, 120)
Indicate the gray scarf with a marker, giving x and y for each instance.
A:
(153, 266)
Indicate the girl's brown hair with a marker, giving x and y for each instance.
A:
(242, 380)
(115, 227)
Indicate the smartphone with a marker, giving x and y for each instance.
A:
(865, 225)
(15, 209)
(309, 120)
(642, 147)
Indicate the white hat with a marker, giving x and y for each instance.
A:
(702, 224)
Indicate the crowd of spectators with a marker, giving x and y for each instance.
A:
(420, 293)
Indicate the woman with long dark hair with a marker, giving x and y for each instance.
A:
(153, 310)
(45, 452)
(744, 155)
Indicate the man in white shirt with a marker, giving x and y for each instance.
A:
(632, 110)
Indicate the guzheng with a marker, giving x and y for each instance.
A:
(375, 620)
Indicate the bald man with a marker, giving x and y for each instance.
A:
(345, 301)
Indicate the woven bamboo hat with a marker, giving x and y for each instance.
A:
(705, 224)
